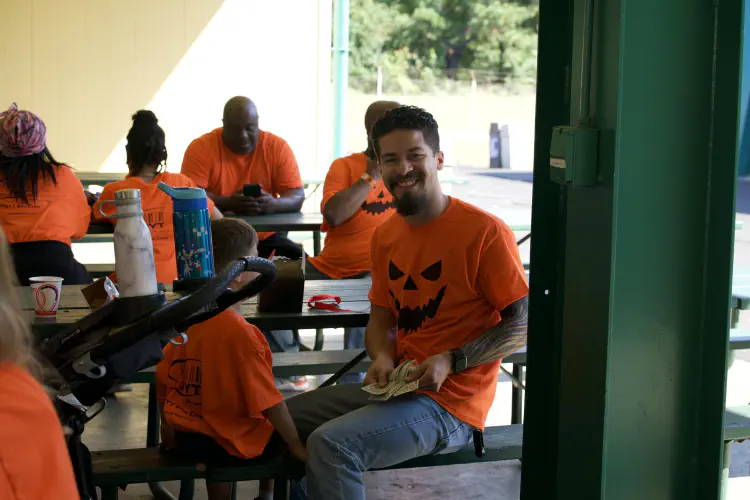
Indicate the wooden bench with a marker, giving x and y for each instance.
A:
(121, 467)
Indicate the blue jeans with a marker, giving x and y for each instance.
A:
(353, 435)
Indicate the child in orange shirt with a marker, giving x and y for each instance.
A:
(34, 460)
(217, 391)
(146, 155)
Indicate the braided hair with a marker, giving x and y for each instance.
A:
(145, 143)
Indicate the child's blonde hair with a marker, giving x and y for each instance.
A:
(15, 336)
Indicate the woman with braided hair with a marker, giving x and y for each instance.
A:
(147, 158)
(42, 203)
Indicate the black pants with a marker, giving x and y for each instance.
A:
(204, 449)
(47, 258)
(280, 245)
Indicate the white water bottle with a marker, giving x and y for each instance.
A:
(134, 250)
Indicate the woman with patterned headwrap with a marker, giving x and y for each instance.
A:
(42, 203)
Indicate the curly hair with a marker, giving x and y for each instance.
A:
(407, 118)
(146, 143)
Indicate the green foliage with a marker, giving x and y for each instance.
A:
(420, 44)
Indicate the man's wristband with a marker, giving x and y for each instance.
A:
(369, 179)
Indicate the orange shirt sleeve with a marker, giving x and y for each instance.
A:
(338, 178)
(501, 278)
(256, 374)
(379, 289)
(286, 174)
(196, 163)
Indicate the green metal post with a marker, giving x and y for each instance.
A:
(632, 277)
(340, 74)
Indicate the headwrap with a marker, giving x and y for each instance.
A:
(22, 133)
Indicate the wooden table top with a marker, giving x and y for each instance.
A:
(352, 292)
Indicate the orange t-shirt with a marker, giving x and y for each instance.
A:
(213, 166)
(34, 460)
(218, 384)
(347, 246)
(447, 281)
(157, 212)
(59, 212)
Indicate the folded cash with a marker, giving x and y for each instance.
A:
(397, 384)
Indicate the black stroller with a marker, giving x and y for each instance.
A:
(123, 337)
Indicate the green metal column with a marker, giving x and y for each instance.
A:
(631, 278)
(340, 74)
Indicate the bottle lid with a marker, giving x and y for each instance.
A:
(183, 193)
(128, 194)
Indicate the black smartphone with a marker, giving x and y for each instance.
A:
(251, 190)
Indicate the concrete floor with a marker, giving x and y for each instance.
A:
(508, 195)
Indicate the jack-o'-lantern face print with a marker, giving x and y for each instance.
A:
(420, 294)
(378, 202)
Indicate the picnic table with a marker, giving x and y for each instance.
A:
(294, 221)
(741, 288)
(104, 178)
(353, 293)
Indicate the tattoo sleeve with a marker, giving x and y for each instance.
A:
(505, 338)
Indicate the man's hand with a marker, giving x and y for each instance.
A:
(246, 205)
(168, 436)
(262, 204)
(379, 371)
(433, 372)
(373, 169)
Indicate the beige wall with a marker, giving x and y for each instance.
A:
(86, 65)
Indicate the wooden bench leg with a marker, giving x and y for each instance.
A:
(725, 470)
(316, 242)
(319, 339)
(187, 489)
(109, 492)
(516, 405)
(152, 426)
(281, 489)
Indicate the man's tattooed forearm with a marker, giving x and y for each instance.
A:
(504, 339)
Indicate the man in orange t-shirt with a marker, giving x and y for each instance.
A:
(449, 293)
(224, 160)
(355, 202)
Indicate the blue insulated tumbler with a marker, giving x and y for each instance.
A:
(192, 232)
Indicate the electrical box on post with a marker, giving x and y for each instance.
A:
(573, 156)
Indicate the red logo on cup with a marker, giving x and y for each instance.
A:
(43, 309)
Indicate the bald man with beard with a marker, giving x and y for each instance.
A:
(225, 159)
(355, 202)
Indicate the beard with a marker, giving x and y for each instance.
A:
(410, 204)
